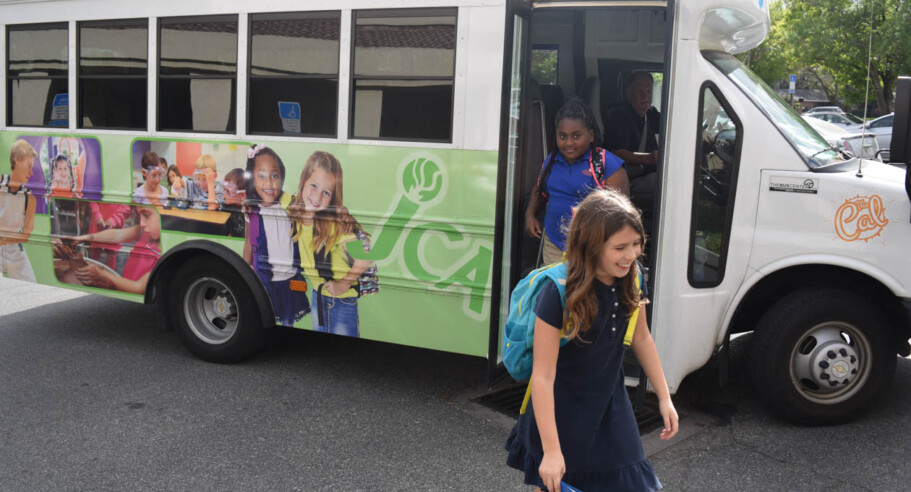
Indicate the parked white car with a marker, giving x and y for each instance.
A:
(845, 120)
(824, 109)
(844, 139)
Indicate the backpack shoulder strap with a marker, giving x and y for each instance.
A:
(634, 316)
(596, 166)
(544, 174)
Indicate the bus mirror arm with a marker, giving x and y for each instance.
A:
(900, 148)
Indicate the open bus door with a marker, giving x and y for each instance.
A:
(577, 60)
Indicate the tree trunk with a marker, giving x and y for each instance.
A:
(877, 86)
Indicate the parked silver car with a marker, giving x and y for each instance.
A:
(850, 141)
(882, 128)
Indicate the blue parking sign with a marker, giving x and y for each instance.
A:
(60, 110)
(290, 113)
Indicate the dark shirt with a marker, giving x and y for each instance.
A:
(623, 130)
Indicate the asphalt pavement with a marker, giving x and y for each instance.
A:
(94, 396)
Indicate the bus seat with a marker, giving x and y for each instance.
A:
(590, 92)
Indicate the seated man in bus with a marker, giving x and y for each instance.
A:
(631, 133)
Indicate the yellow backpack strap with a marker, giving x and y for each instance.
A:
(633, 318)
(525, 400)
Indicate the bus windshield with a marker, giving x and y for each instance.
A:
(814, 149)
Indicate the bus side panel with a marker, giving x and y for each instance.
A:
(428, 216)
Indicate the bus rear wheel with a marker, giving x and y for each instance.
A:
(820, 357)
(214, 311)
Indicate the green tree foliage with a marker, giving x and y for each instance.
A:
(769, 60)
(830, 38)
(544, 65)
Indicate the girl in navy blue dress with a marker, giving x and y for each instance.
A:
(579, 425)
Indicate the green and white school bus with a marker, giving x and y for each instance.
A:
(362, 168)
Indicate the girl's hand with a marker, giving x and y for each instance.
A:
(551, 470)
(533, 226)
(669, 414)
(336, 288)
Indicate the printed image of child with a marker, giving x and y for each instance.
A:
(178, 186)
(17, 212)
(63, 182)
(268, 245)
(106, 216)
(151, 192)
(204, 190)
(235, 195)
(70, 265)
(324, 231)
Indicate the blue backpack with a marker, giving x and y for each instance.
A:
(519, 332)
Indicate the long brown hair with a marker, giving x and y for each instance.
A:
(600, 215)
(334, 221)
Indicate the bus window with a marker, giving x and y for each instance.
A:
(37, 70)
(294, 73)
(113, 74)
(404, 65)
(197, 73)
(544, 63)
(717, 156)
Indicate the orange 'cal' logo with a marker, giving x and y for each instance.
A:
(861, 218)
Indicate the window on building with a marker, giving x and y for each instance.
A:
(403, 72)
(113, 74)
(37, 67)
(197, 73)
(294, 73)
(717, 159)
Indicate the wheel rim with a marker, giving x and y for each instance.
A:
(831, 362)
(210, 310)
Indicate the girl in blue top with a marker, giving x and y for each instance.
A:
(569, 175)
(579, 425)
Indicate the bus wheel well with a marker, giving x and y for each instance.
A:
(789, 280)
(193, 251)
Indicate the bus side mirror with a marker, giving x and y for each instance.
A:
(900, 148)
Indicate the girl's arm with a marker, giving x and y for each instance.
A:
(120, 215)
(618, 180)
(248, 248)
(543, 373)
(644, 347)
(338, 287)
(95, 276)
(29, 223)
(535, 202)
(114, 236)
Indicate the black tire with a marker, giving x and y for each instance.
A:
(214, 311)
(821, 356)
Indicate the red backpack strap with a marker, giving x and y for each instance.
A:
(596, 166)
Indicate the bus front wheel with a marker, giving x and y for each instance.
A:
(214, 311)
(821, 356)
